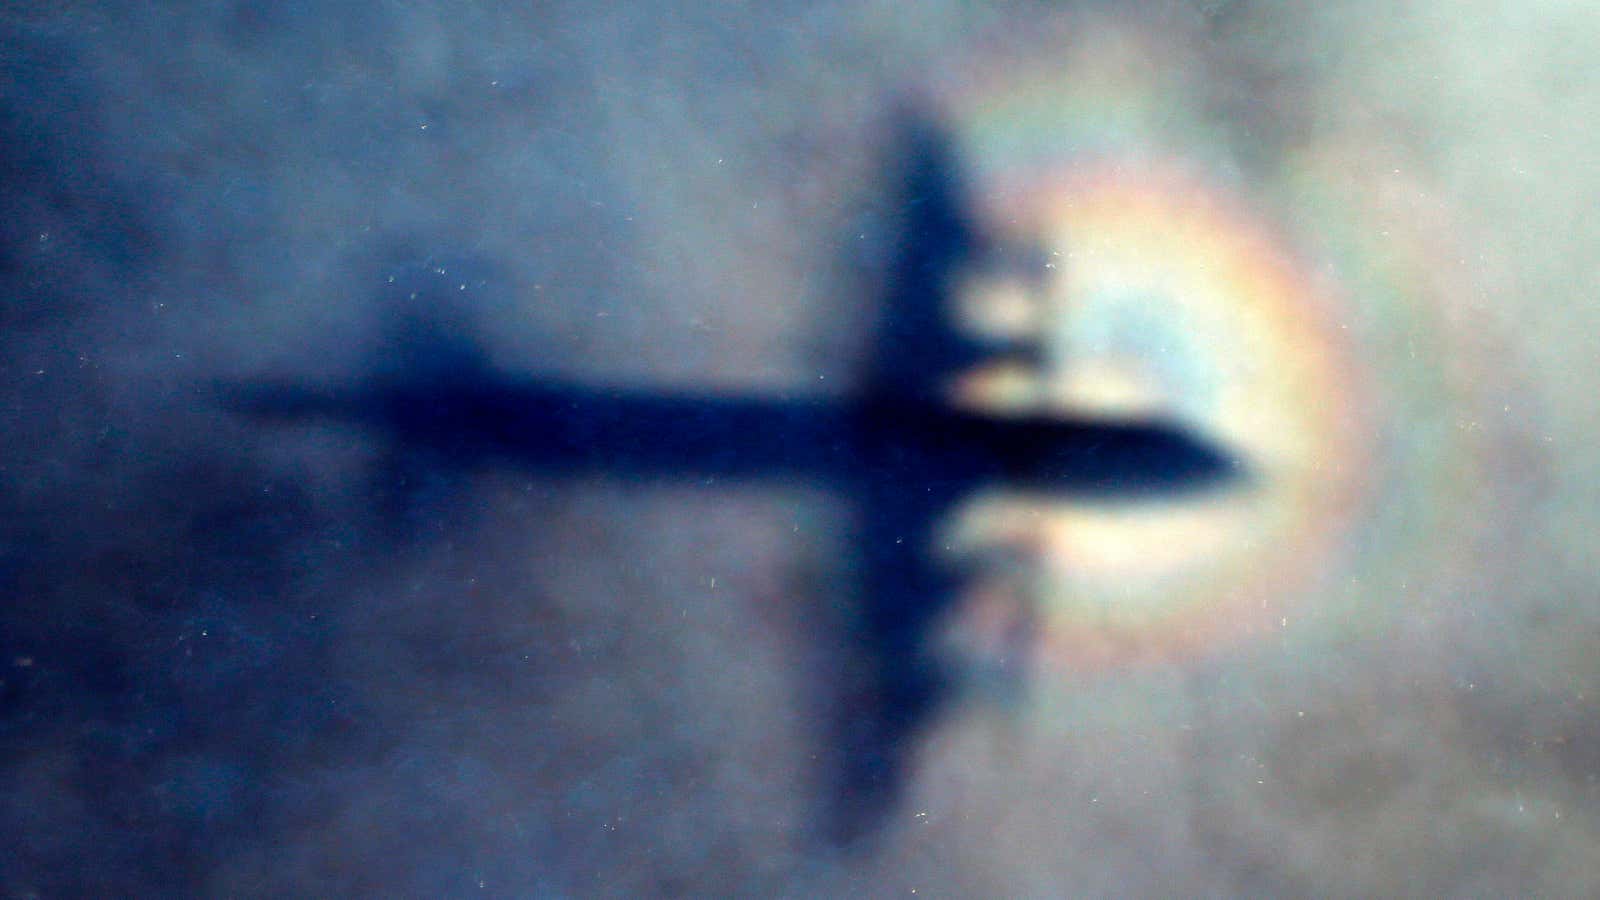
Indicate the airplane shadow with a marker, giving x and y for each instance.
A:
(896, 449)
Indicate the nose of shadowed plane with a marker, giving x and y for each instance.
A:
(1163, 290)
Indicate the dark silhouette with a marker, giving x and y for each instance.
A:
(896, 447)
